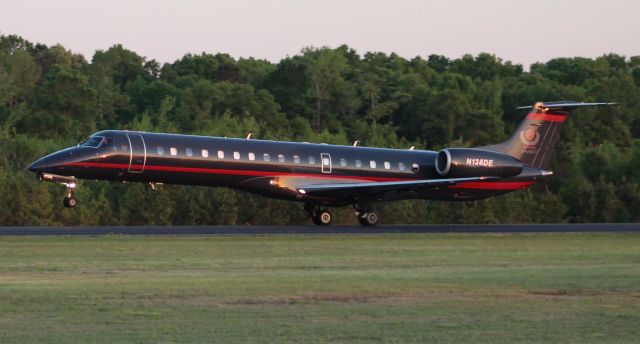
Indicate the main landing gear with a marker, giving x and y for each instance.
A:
(367, 216)
(320, 217)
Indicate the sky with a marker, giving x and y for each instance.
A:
(521, 31)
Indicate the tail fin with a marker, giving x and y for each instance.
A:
(536, 137)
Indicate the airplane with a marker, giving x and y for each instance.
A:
(320, 175)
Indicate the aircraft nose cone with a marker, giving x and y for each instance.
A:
(47, 163)
(54, 163)
(37, 166)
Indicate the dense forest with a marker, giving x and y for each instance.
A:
(51, 98)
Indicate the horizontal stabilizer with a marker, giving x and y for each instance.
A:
(562, 106)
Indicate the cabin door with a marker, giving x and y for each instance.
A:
(137, 153)
(325, 160)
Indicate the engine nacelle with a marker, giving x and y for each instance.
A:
(472, 162)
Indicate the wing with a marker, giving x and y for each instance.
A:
(381, 188)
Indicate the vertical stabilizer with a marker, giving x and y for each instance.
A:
(535, 139)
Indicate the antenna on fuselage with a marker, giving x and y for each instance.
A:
(412, 147)
(356, 143)
(249, 136)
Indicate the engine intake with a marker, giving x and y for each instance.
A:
(473, 162)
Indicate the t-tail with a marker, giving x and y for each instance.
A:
(535, 139)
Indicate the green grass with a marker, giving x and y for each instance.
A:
(387, 288)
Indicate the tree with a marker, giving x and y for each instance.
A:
(373, 75)
(51, 97)
(254, 72)
(324, 68)
(20, 74)
(66, 103)
(122, 65)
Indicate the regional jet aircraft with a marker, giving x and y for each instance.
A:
(320, 175)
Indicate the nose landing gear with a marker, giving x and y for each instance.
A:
(70, 201)
(70, 182)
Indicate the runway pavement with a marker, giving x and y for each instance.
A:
(320, 230)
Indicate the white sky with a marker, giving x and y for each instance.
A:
(522, 31)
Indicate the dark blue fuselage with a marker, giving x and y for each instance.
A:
(270, 168)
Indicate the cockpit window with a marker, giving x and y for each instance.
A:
(108, 143)
(93, 141)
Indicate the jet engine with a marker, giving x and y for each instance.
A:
(473, 162)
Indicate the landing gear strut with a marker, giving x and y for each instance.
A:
(70, 201)
(320, 217)
(69, 182)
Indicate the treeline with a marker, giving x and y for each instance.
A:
(51, 98)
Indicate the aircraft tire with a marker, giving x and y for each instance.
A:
(70, 202)
(323, 218)
(370, 219)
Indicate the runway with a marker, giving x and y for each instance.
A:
(321, 230)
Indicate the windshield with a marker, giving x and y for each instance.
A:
(93, 141)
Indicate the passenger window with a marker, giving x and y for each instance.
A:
(312, 160)
(220, 154)
(415, 168)
(343, 162)
(252, 156)
(205, 153)
(372, 163)
(387, 165)
(160, 150)
(236, 155)
(358, 163)
(401, 166)
(189, 152)
(280, 158)
(266, 157)
(296, 159)
(173, 151)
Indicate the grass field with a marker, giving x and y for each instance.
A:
(387, 288)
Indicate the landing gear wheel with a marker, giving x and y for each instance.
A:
(70, 202)
(368, 218)
(322, 218)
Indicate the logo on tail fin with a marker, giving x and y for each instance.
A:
(529, 138)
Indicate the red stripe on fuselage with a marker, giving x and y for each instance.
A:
(492, 185)
(230, 172)
(547, 117)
